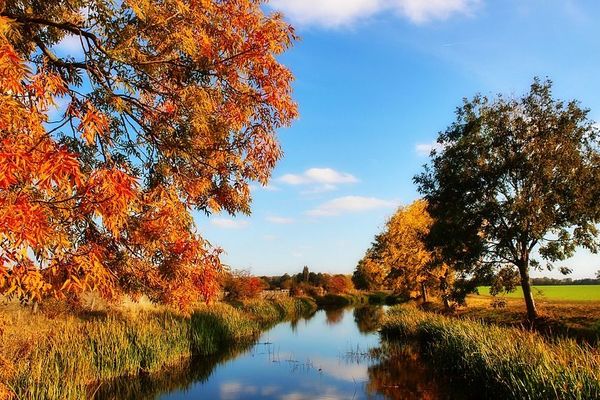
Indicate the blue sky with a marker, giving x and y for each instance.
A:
(375, 81)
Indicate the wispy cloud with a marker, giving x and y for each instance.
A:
(267, 188)
(422, 11)
(70, 45)
(424, 149)
(349, 205)
(336, 13)
(322, 180)
(228, 223)
(280, 220)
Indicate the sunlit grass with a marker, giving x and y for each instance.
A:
(66, 357)
(558, 292)
(509, 362)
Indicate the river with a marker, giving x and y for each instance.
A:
(334, 354)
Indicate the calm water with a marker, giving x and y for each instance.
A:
(331, 355)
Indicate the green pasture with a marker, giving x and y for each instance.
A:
(562, 292)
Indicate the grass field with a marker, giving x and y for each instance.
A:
(572, 311)
(566, 292)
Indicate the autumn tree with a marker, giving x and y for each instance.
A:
(514, 176)
(165, 107)
(410, 265)
(361, 278)
(370, 272)
(339, 284)
(241, 285)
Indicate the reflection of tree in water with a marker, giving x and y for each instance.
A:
(294, 325)
(179, 376)
(368, 318)
(334, 315)
(401, 374)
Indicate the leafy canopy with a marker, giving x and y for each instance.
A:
(400, 259)
(514, 175)
(167, 107)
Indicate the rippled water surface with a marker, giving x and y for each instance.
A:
(334, 354)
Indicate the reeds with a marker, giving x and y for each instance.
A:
(66, 361)
(506, 362)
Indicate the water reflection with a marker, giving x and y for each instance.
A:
(400, 374)
(368, 318)
(178, 377)
(336, 354)
(334, 315)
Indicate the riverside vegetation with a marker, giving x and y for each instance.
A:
(67, 356)
(503, 362)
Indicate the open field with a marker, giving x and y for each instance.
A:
(574, 318)
(562, 292)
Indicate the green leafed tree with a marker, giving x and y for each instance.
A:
(514, 177)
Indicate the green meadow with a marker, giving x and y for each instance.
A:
(560, 292)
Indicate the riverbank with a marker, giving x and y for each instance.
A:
(63, 356)
(356, 299)
(501, 362)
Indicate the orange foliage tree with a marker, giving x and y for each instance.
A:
(400, 257)
(240, 285)
(339, 284)
(164, 108)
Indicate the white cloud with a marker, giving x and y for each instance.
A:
(227, 223)
(70, 45)
(421, 11)
(236, 390)
(280, 220)
(348, 205)
(329, 13)
(323, 176)
(267, 188)
(424, 149)
(335, 13)
(349, 372)
(271, 188)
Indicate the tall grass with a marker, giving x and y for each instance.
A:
(506, 362)
(66, 360)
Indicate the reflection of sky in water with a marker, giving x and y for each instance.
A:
(307, 362)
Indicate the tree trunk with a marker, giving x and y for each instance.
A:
(444, 290)
(424, 292)
(526, 285)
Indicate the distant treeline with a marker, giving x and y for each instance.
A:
(307, 282)
(565, 281)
